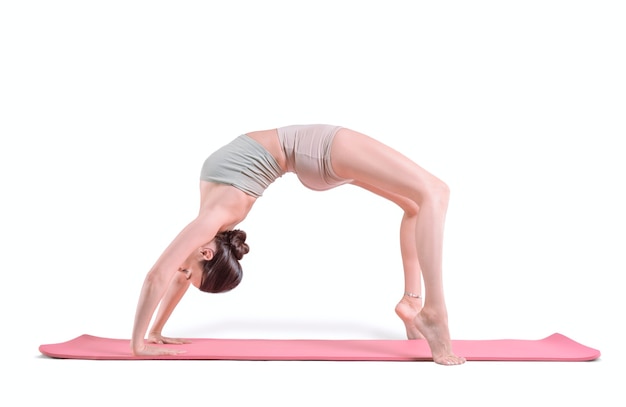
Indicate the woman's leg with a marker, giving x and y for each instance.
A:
(367, 161)
(411, 302)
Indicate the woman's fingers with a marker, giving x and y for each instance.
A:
(156, 351)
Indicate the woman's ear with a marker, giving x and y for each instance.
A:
(207, 254)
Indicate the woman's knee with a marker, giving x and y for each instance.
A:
(437, 192)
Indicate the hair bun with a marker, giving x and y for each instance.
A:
(236, 239)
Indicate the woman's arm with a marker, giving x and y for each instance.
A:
(177, 289)
(194, 235)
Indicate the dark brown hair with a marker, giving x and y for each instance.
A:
(223, 272)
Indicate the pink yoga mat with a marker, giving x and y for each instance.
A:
(555, 347)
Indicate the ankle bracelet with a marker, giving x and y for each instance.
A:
(411, 295)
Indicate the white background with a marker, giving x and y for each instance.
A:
(108, 109)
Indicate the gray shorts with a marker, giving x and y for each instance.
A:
(307, 148)
(244, 164)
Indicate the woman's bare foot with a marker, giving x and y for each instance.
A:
(438, 336)
(407, 309)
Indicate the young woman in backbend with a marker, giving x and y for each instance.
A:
(207, 251)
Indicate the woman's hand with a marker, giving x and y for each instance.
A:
(161, 340)
(147, 350)
(144, 349)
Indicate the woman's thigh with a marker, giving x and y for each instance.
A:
(368, 161)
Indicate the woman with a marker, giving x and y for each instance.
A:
(206, 252)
